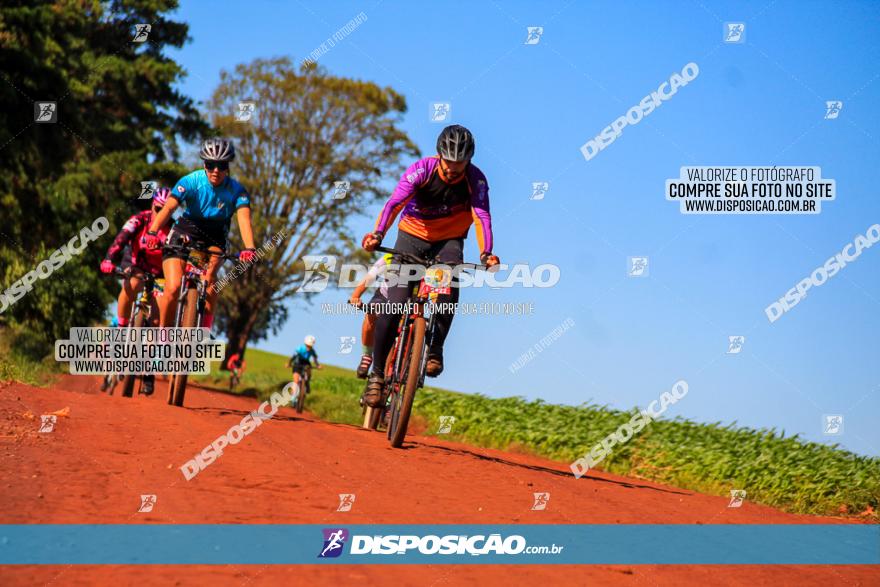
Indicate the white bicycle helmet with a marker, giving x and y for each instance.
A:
(310, 340)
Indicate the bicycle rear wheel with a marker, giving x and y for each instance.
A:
(128, 381)
(403, 401)
(189, 320)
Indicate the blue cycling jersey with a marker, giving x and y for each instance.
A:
(204, 202)
(303, 355)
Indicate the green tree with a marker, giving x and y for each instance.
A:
(118, 122)
(308, 130)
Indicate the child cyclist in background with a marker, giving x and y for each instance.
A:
(371, 310)
(302, 358)
(143, 261)
(236, 366)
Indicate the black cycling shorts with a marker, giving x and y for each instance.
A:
(198, 237)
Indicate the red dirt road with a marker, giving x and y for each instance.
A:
(98, 461)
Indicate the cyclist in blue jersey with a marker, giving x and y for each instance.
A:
(211, 198)
(302, 358)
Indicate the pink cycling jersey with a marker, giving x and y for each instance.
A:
(131, 233)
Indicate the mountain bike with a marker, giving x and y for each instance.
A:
(415, 335)
(190, 305)
(305, 386)
(142, 312)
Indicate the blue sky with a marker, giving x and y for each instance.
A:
(531, 107)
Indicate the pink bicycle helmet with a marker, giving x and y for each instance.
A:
(161, 196)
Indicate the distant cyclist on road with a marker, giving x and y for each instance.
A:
(142, 261)
(302, 359)
(211, 198)
(236, 366)
(373, 306)
(438, 198)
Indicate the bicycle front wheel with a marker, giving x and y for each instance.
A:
(403, 400)
(300, 396)
(129, 380)
(189, 320)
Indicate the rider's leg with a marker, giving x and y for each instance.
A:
(173, 270)
(385, 329)
(367, 341)
(367, 332)
(131, 286)
(450, 253)
(210, 280)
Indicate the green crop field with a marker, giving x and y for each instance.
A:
(784, 472)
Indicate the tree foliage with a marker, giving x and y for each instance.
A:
(309, 129)
(119, 118)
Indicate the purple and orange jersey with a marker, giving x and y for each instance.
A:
(434, 210)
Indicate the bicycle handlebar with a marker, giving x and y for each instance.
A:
(426, 262)
(187, 250)
(125, 273)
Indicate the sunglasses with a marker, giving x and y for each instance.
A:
(212, 165)
(157, 209)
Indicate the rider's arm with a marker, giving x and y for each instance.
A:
(315, 356)
(164, 215)
(371, 276)
(403, 193)
(129, 229)
(243, 215)
(359, 290)
(480, 209)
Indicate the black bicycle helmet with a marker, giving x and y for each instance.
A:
(217, 149)
(455, 143)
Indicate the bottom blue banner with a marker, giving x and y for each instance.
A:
(673, 544)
